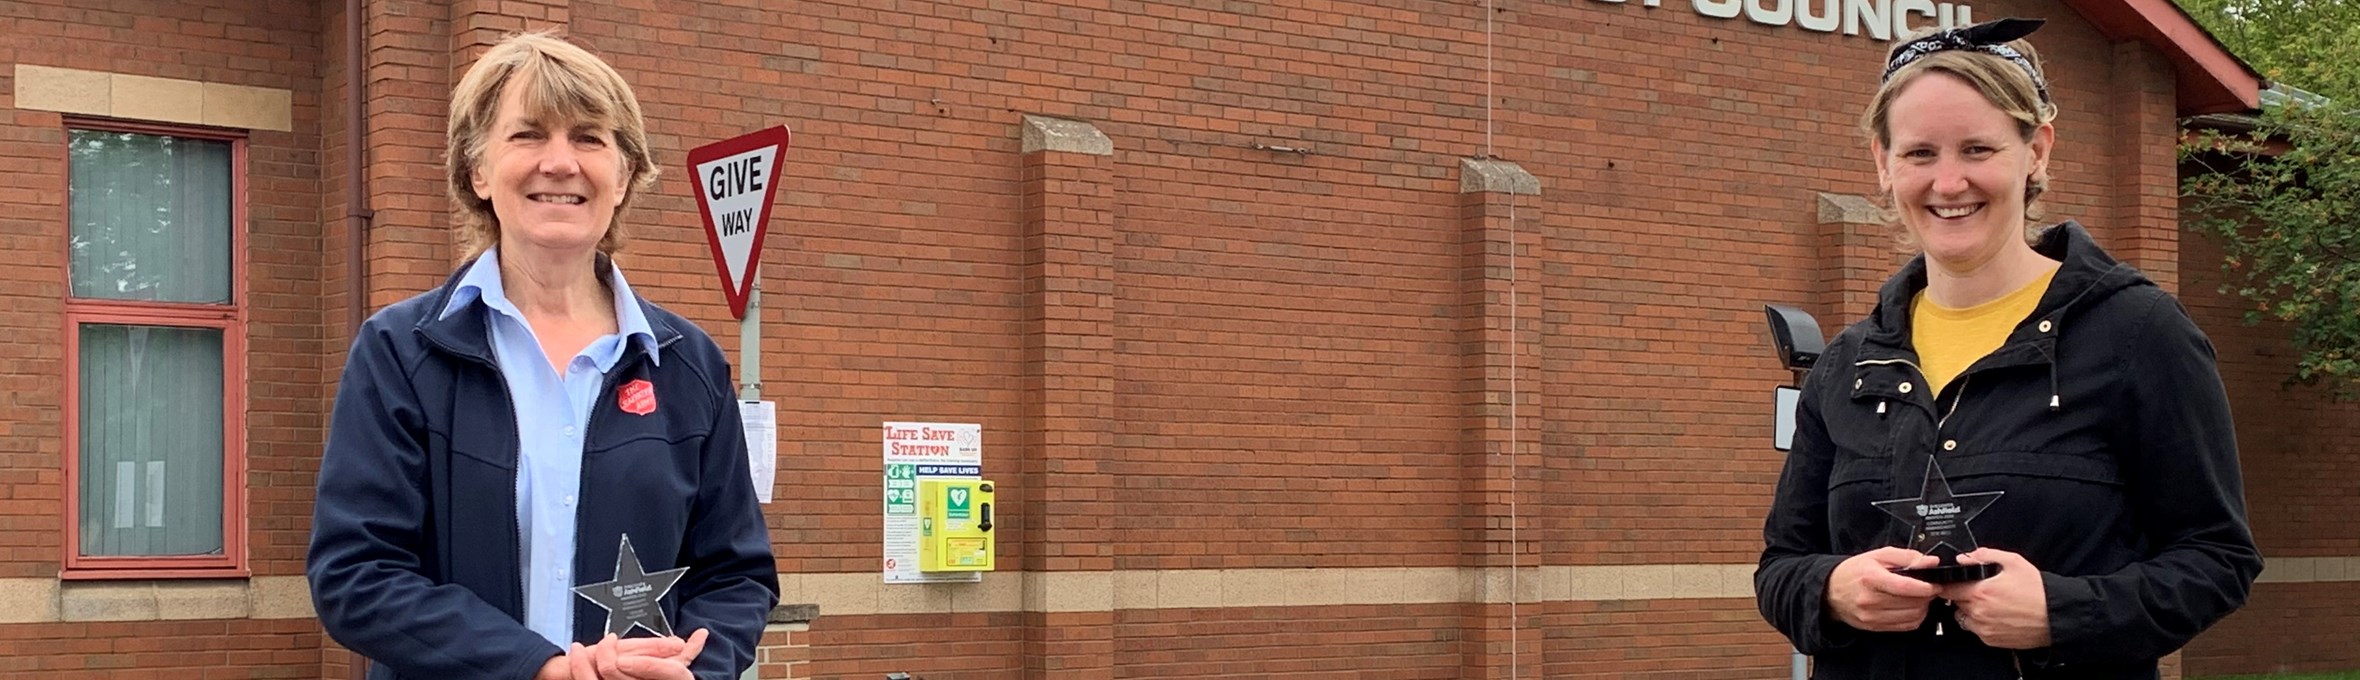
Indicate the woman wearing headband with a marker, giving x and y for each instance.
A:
(2019, 404)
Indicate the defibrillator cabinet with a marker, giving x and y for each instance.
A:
(955, 525)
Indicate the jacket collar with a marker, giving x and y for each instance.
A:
(468, 336)
(2086, 274)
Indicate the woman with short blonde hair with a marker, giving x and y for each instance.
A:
(503, 445)
(2021, 464)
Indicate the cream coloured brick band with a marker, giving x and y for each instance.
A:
(36, 600)
(42, 600)
(168, 100)
(2310, 569)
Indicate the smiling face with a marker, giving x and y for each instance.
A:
(1957, 168)
(553, 184)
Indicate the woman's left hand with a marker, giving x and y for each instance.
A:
(2008, 611)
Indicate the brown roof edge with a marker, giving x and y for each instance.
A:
(2210, 79)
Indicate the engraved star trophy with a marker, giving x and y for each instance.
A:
(631, 600)
(1937, 520)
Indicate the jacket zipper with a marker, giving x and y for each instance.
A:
(1954, 402)
(1962, 386)
(1888, 362)
(515, 470)
(516, 524)
(581, 498)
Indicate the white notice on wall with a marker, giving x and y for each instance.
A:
(761, 421)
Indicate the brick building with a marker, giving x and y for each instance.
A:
(1294, 358)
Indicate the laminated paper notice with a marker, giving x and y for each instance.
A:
(761, 421)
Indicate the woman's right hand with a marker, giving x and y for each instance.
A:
(1864, 593)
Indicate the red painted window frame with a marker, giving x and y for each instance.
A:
(230, 319)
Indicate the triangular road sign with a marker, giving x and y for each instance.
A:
(735, 181)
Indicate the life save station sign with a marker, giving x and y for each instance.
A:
(736, 180)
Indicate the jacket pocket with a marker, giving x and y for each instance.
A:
(2088, 469)
(478, 454)
(1855, 470)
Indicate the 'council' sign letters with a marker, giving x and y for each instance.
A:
(1883, 19)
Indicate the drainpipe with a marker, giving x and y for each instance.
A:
(356, 202)
(356, 211)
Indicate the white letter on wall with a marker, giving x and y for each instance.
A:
(1903, 8)
(1777, 16)
(1814, 22)
(1720, 9)
(1870, 13)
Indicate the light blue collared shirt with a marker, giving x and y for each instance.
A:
(551, 412)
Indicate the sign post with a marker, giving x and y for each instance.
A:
(736, 183)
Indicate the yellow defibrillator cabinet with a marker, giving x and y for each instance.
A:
(955, 525)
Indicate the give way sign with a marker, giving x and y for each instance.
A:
(735, 180)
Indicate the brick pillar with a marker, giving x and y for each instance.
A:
(1499, 309)
(408, 59)
(1066, 522)
(336, 271)
(476, 24)
(1856, 255)
(414, 53)
(335, 662)
(2146, 178)
(784, 653)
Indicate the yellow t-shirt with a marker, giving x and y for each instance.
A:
(1949, 340)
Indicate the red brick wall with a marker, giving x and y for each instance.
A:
(2302, 473)
(1297, 350)
(1661, 639)
(1401, 642)
(271, 45)
(241, 43)
(784, 654)
(978, 646)
(285, 648)
(2288, 627)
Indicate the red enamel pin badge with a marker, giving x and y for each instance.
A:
(637, 397)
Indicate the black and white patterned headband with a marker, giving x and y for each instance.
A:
(1990, 37)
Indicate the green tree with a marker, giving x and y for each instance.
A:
(2310, 44)
(2283, 199)
(2284, 202)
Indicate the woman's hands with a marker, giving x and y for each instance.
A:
(1864, 593)
(612, 658)
(2008, 611)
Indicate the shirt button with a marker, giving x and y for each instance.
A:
(569, 431)
(2045, 326)
(1950, 445)
(1905, 387)
(569, 501)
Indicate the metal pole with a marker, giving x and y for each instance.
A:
(750, 374)
(750, 342)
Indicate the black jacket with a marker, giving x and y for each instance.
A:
(414, 547)
(2101, 417)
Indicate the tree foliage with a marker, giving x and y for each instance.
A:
(2283, 199)
(2310, 44)
(2284, 202)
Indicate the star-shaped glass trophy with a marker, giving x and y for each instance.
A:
(1937, 521)
(631, 599)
